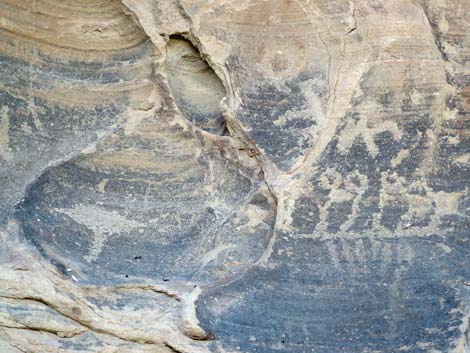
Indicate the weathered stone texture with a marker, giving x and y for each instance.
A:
(234, 176)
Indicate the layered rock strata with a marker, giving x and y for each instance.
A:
(234, 176)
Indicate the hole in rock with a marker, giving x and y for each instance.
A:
(195, 86)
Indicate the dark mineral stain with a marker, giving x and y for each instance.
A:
(389, 295)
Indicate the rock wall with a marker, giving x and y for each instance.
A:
(234, 176)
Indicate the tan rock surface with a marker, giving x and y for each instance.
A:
(234, 176)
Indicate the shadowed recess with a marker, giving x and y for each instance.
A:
(195, 86)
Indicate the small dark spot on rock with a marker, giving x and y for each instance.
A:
(251, 152)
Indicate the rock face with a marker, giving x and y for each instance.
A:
(235, 176)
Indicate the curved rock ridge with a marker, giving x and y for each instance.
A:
(251, 176)
(61, 90)
(85, 25)
(155, 204)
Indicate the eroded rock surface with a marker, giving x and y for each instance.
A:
(234, 176)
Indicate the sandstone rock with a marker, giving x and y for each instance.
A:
(234, 176)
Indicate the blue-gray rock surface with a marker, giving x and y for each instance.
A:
(252, 176)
